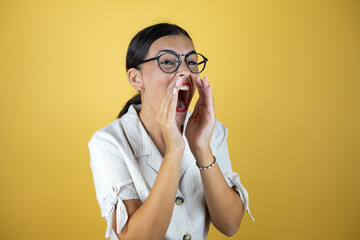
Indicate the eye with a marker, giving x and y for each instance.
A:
(167, 62)
(192, 63)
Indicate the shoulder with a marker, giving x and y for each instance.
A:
(108, 133)
(104, 147)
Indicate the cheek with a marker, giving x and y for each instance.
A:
(156, 90)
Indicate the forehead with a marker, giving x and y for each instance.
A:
(178, 43)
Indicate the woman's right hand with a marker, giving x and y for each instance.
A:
(165, 117)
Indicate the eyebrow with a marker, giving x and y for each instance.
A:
(169, 50)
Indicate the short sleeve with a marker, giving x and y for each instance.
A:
(112, 180)
(219, 147)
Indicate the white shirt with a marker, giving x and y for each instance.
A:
(125, 162)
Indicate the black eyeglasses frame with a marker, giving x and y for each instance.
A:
(179, 60)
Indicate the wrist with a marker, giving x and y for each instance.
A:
(206, 167)
(174, 153)
(203, 156)
(175, 147)
(199, 151)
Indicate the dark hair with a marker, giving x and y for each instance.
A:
(139, 47)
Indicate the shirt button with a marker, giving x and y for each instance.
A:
(179, 200)
(187, 237)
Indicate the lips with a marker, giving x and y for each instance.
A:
(183, 97)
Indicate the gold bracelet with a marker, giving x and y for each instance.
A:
(204, 168)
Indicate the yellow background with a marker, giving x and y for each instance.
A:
(286, 80)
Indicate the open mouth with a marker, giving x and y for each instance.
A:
(183, 98)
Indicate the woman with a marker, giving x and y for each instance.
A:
(161, 171)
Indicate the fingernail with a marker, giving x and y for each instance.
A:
(174, 91)
(198, 77)
(178, 81)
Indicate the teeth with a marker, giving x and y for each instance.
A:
(185, 88)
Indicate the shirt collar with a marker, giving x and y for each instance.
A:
(142, 144)
(135, 131)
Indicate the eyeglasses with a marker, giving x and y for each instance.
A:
(169, 61)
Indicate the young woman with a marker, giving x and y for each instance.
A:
(161, 171)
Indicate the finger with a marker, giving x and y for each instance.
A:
(210, 99)
(206, 96)
(199, 103)
(207, 87)
(169, 92)
(196, 108)
(200, 89)
(172, 91)
(172, 97)
(172, 104)
(205, 82)
(173, 82)
(199, 85)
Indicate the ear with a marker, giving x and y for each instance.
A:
(135, 78)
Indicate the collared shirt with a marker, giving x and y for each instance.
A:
(125, 163)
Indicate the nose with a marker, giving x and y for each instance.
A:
(183, 70)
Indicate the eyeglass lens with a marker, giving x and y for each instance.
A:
(169, 62)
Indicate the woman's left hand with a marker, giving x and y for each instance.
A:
(201, 124)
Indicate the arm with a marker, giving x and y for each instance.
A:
(151, 219)
(224, 203)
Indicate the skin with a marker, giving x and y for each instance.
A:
(165, 127)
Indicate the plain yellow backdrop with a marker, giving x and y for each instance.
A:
(286, 83)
